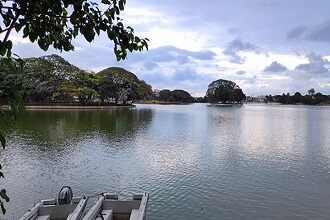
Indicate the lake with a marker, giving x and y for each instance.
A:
(196, 161)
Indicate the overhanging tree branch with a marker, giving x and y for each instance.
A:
(11, 26)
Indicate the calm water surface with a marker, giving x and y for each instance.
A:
(196, 161)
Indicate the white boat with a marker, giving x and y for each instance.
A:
(108, 207)
(64, 207)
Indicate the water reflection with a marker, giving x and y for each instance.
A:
(52, 126)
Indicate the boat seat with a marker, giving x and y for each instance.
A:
(43, 217)
(106, 215)
(134, 214)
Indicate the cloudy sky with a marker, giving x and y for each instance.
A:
(265, 46)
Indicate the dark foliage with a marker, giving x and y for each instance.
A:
(51, 79)
(224, 91)
(177, 96)
(311, 98)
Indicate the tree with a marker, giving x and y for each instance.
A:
(106, 88)
(201, 99)
(51, 78)
(144, 91)
(297, 98)
(122, 84)
(308, 100)
(67, 92)
(39, 78)
(88, 84)
(224, 91)
(165, 95)
(181, 96)
(319, 98)
(58, 22)
(311, 92)
(177, 95)
(268, 98)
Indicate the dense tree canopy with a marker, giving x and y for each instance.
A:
(224, 91)
(51, 79)
(165, 95)
(177, 96)
(311, 98)
(121, 85)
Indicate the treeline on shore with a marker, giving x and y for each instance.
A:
(53, 80)
(311, 98)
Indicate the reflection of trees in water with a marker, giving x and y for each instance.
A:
(53, 125)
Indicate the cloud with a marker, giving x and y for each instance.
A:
(183, 59)
(316, 33)
(150, 65)
(320, 33)
(183, 74)
(154, 77)
(313, 73)
(240, 72)
(172, 54)
(185, 78)
(316, 65)
(275, 67)
(235, 46)
(251, 80)
(296, 33)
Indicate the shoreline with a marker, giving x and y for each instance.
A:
(73, 107)
(163, 103)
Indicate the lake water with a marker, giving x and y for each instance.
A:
(196, 161)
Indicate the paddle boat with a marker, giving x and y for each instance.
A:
(64, 207)
(108, 207)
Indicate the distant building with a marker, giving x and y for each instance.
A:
(156, 93)
(261, 98)
(257, 99)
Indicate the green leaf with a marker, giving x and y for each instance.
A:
(3, 118)
(3, 194)
(3, 209)
(9, 45)
(121, 5)
(88, 33)
(43, 45)
(2, 139)
(16, 104)
(18, 27)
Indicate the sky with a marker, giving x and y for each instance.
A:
(265, 46)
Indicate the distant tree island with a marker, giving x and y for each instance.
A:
(176, 96)
(310, 98)
(224, 92)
